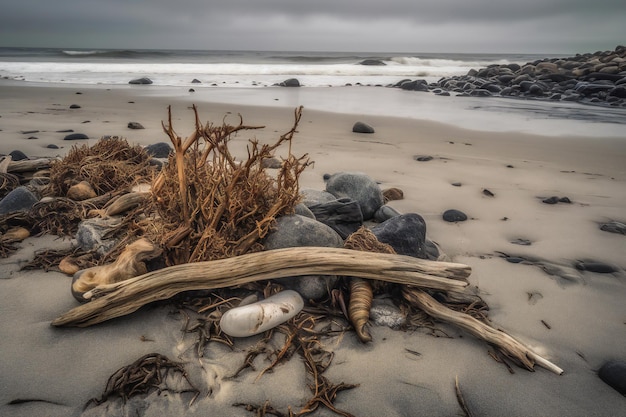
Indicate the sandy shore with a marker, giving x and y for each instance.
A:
(577, 319)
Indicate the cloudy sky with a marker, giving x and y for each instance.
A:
(530, 26)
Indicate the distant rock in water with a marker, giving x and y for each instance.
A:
(360, 127)
(143, 80)
(373, 62)
(291, 82)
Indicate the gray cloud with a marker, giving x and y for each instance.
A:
(395, 25)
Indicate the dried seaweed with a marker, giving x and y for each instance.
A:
(148, 373)
(49, 259)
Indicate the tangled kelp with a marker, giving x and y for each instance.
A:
(207, 205)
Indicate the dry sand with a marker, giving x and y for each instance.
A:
(53, 372)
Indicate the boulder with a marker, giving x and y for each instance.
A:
(358, 187)
(19, 199)
(298, 231)
(342, 215)
(18, 155)
(405, 233)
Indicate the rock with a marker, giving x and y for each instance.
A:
(135, 125)
(423, 158)
(291, 82)
(196, 81)
(522, 242)
(614, 227)
(303, 210)
(311, 197)
(342, 215)
(18, 155)
(74, 106)
(81, 191)
(360, 188)
(454, 215)
(595, 266)
(143, 80)
(297, 231)
(613, 372)
(360, 127)
(76, 136)
(159, 149)
(405, 233)
(550, 200)
(52, 146)
(19, 199)
(385, 213)
(392, 194)
(91, 235)
(271, 163)
(385, 313)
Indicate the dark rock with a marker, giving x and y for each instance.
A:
(76, 136)
(65, 131)
(52, 146)
(196, 81)
(191, 90)
(360, 127)
(618, 92)
(565, 200)
(522, 242)
(28, 132)
(74, 106)
(613, 372)
(423, 158)
(385, 213)
(614, 227)
(405, 233)
(135, 125)
(456, 184)
(595, 266)
(342, 215)
(488, 193)
(551, 200)
(19, 199)
(372, 62)
(143, 80)
(358, 187)
(159, 149)
(454, 215)
(271, 163)
(18, 155)
(291, 82)
(298, 231)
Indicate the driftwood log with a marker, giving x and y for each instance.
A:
(507, 343)
(121, 298)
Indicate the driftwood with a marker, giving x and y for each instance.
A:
(27, 165)
(508, 344)
(119, 299)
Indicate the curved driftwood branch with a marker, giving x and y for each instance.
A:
(119, 299)
(508, 344)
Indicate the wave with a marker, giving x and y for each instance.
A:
(113, 53)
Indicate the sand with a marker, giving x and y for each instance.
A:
(47, 371)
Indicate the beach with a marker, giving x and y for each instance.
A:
(573, 317)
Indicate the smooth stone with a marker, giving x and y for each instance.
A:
(392, 194)
(614, 227)
(91, 235)
(19, 199)
(385, 213)
(76, 136)
(423, 158)
(595, 266)
(298, 231)
(311, 197)
(405, 233)
(565, 200)
(613, 373)
(432, 250)
(81, 191)
(256, 318)
(358, 187)
(135, 125)
(159, 149)
(18, 155)
(343, 215)
(454, 215)
(551, 200)
(303, 210)
(143, 80)
(385, 313)
(522, 242)
(271, 163)
(291, 82)
(74, 106)
(360, 127)
(196, 81)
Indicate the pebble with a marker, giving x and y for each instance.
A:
(423, 158)
(135, 125)
(76, 136)
(360, 127)
(595, 266)
(613, 373)
(614, 227)
(454, 215)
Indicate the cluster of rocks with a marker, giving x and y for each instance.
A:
(594, 78)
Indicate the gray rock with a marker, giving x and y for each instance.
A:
(342, 215)
(385, 313)
(360, 127)
(19, 199)
(303, 210)
(405, 233)
(360, 188)
(613, 373)
(143, 80)
(135, 125)
(311, 197)
(159, 149)
(298, 231)
(76, 136)
(18, 155)
(291, 82)
(454, 215)
(614, 227)
(91, 235)
(385, 213)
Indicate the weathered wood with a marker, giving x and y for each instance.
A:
(115, 300)
(26, 165)
(507, 343)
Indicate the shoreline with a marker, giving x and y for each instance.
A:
(66, 367)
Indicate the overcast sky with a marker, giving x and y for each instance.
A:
(530, 26)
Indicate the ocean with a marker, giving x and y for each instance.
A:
(236, 68)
